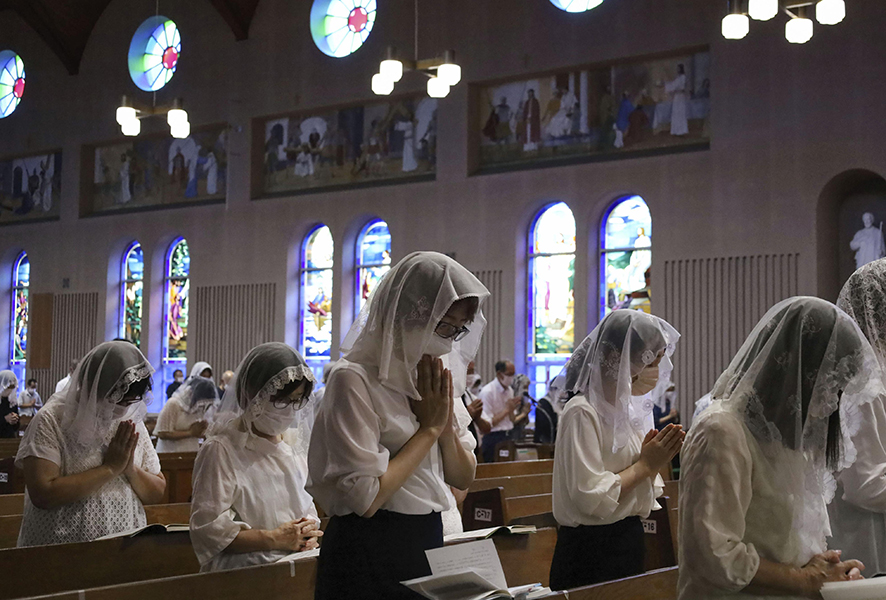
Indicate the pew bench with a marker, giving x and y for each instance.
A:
(655, 585)
(513, 468)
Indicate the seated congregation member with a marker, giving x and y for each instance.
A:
(88, 461)
(858, 512)
(386, 445)
(607, 455)
(182, 421)
(9, 421)
(250, 505)
(500, 408)
(201, 369)
(756, 467)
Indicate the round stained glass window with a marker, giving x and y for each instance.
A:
(576, 6)
(12, 82)
(340, 27)
(154, 53)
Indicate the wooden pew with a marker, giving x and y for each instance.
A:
(520, 485)
(11, 504)
(524, 506)
(12, 480)
(655, 585)
(511, 450)
(178, 468)
(514, 468)
(525, 559)
(92, 564)
(660, 551)
(9, 447)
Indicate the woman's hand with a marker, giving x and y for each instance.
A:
(198, 429)
(296, 536)
(11, 418)
(121, 450)
(828, 567)
(434, 410)
(659, 447)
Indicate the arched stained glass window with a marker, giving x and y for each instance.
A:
(339, 27)
(551, 293)
(12, 82)
(373, 258)
(21, 281)
(576, 6)
(625, 256)
(131, 291)
(154, 53)
(316, 297)
(175, 322)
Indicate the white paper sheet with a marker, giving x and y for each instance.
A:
(480, 557)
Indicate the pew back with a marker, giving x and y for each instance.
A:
(513, 468)
(519, 485)
(655, 585)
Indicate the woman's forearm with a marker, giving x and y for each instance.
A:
(459, 465)
(148, 487)
(58, 491)
(633, 476)
(253, 540)
(776, 579)
(401, 467)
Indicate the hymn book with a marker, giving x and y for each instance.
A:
(482, 534)
(860, 589)
(147, 529)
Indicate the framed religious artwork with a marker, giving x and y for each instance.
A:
(605, 111)
(30, 187)
(151, 172)
(384, 141)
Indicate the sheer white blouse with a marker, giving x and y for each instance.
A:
(242, 483)
(360, 426)
(732, 510)
(175, 418)
(114, 508)
(587, 486)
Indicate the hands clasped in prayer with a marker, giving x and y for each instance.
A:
(660, 447)
(121, 451)
(297, 536)
(434, 410)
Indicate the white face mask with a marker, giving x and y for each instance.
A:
(438, 346)
(274, 421)
(646, 381)
(507, 380)
(179, 378)
(121, 412)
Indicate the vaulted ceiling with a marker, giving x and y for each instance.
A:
(65, 25)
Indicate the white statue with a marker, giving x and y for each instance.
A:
(868, 242)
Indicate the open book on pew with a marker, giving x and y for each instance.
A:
(301, 555)
(469, 571)
(860, 589)
(147, 529)
(482, 534)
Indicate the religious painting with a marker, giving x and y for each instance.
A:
(384, 141)
(30, 188)
(159, 171)
(661, 104)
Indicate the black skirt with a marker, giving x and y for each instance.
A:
(368, 558)
(590, 554)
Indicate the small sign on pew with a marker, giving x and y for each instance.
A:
(483, 514)
(649, 526)
(4, 477)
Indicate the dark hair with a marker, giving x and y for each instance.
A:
(31, 380)
(291, 386)
(833, 450)
(177, 371)
(501, 366)
(472, 303)
(121, 339)
(75, 362)
(140, 387)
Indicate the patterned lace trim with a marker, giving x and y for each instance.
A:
(277, 383)
(130, 376)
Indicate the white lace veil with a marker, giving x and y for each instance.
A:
(396, 324)
(805, 360)
(602, 366)
(199, 368)
(8, 378)
(102, 379)
(196, 395)
(266, 369)
(863, 298)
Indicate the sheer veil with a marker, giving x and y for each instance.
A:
(196, 395)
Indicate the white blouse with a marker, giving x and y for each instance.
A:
(733, 511)
(114, 508)
(361, 424)
(173, 417)
(858, 512)
(244, 482)
(587, 486)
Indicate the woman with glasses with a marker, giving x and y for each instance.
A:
(88, 460)
(250, 505)
(183, 419)
(387, 442)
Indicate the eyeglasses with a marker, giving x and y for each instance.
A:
(449, 331)
(282, 403)
(130, 401)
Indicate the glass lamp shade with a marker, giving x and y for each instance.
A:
(132, 127)
(437, 88)
(391, 69)
(830, 12)
(762, 10)
(798, 31)
(180, 130)
(176, 116)
(381, 85)
(450, 73)
(735, 26)
(125, 114)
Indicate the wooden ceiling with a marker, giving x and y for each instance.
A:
(65, 25)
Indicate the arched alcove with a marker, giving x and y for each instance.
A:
(843, 201)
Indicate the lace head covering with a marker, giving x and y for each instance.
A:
(101, 380)
(199, 368)
(864, 299)
(396, 325)
(803, 362)
(266, 369)
(7, 379)
(602, 368)
(196, 395)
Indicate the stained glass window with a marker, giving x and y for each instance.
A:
(132, 288)
(316, 296)
(625, 256)
(12, 82)
(373, 258)
(154, 53)
(552, 274)
(178, 269)
(340, 27)
(576, 6)
(21, 281)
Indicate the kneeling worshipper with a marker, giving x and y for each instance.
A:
(607, 456)
(387, 443)
(858, 512)
(757, 467)
(183, 419)
(249, 505)
(87, 457)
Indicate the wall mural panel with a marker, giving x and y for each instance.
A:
(30, 187)
(376, 142)
(604, 111)
(150, 172)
